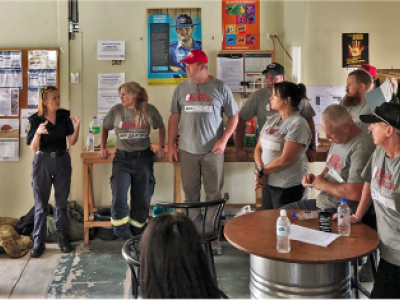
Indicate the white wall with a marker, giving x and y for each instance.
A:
(316, 26)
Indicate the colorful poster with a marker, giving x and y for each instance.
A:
(172, 33)
(355, 49)
(241, 25)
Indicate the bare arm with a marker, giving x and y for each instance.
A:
(103, 153)
(161, 139)
(240, 149)
(173, 122)
(73, 138)
(257, 153)
(290, 151)
(220, 145)
(311, 154)
(351, 191)
(365, 202)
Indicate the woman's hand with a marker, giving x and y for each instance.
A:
(42, 129)
(260, 181)
(103, 153)
(76, 122)
(353, 218)
(160, 153)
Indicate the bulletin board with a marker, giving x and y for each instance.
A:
(26, 73)
(23, 72)
(235, 67)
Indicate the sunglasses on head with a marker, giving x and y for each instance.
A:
(48, 89)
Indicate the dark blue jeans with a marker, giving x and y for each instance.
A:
(48, 171)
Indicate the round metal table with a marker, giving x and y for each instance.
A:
(308, 271)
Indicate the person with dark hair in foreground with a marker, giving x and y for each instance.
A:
(173, 263)
(280, 153)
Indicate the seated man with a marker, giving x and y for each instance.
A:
(349, 153)
(382, 187)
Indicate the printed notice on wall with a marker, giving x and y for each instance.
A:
(9, 102)
(110, 80)
(171, 36)
(355, 47)
(9, 140)
(323, 96)
(241, 24)
(25, 114)
(111, 50)
(230, 70)
(107, 92)
(10, 69)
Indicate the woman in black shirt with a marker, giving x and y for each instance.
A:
(49, 128)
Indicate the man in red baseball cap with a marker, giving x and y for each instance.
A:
(196, 115)
(372, 71)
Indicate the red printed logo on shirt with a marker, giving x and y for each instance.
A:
(198, 97)
(383, 179)
(132, 125)
(273, 131)
(334, 161)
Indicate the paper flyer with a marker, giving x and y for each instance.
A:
(171, 36)
(241, 25)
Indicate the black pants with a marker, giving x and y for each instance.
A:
(275, 197)
(387, 281)
(134, 170)
(48, 171)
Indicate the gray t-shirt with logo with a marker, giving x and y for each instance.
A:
(200, 107)
(258, 106)
(273, 136)
(346, 161)
(132, 136)
(356, 111)
(383, 173)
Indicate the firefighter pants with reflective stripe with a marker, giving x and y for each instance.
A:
(48, 171)
(136, 173)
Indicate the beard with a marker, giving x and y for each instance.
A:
(353, 100)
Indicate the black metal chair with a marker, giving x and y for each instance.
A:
(131, 253)
(208, 231)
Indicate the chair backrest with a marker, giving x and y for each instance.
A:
(131, 253)
(209, 226)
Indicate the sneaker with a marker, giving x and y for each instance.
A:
(216, 247)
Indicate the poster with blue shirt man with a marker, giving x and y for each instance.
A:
(171, 37)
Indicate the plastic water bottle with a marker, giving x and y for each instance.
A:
(95, 128)
(344, 215)
(306, 215)
(90, 142)
(282, 233)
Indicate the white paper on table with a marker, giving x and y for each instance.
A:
(311, 236)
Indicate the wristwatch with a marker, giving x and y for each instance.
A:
(259, 171)
(312, 147)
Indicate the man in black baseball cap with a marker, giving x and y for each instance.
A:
(388, 113)
(382, 187)
(275, 69)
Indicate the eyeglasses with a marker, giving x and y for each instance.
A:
(48, 89)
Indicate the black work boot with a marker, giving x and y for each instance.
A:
(63, 242)
(37, 250)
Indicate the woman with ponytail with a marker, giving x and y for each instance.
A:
(280, 153)
(133, 161)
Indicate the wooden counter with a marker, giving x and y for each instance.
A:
(91, 158)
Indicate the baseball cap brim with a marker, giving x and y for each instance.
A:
(272, 72)
(369, 119)
(184, 25)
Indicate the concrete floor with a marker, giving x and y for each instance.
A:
(27, 278)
